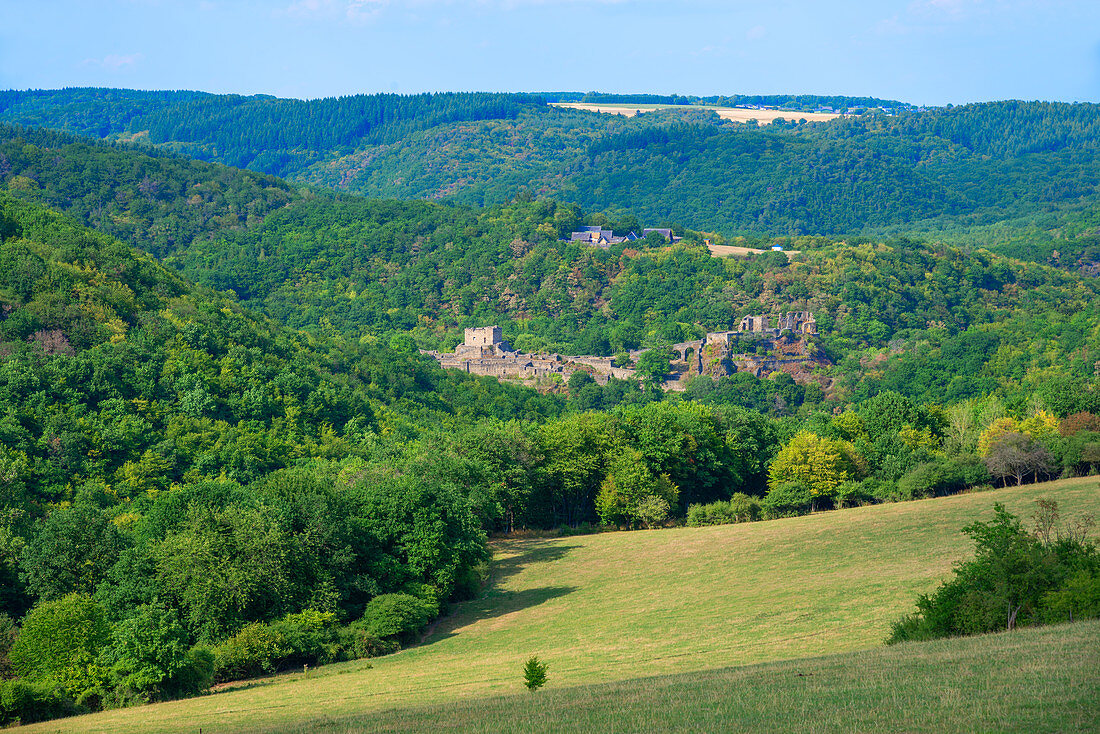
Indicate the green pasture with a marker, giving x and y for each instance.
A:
(1034, 680)
(605, 609)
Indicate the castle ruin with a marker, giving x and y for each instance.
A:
(484, 352)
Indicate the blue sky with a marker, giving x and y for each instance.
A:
(922, 51)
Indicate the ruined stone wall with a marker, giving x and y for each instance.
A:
(718, 354)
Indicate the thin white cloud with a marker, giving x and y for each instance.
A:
(923, 16)
(950, 7)
(757, 31)
(356, 10)
(114, 62)
(892, 26)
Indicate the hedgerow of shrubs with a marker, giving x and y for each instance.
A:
(942, 477)
(25, 702)
(317, 638)
(739, 508)
(788, 499)
(71, 660)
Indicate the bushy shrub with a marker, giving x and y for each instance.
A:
(1015, 579)
(930, 479)
(853, 494)
(195, 676)
(885, 491)
(149, 658)
(1077, 598)
(60, 642)
(744, 508)
(24, 702)
(357, 643)
(399, 616)
(255, 650)
(739, 508)
(942, 477)
(310, 637)
(469, 581)
(433, 596)
(787, 500)
(698, 515)
(1079, 453)
(306, 638)
(973, 471)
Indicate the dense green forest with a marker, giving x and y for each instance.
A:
(1064, 239)
(965, 166)
(892, 313)
(264, 133)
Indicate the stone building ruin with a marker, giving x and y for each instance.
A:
(484, 352)
(796, 322)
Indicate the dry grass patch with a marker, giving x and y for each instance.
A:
(617, 606)
(727, 250)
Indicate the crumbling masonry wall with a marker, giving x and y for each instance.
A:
(484, 352)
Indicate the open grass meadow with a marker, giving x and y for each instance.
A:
(684, 610)
(1032, 680)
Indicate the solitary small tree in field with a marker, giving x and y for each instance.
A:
(534, 673)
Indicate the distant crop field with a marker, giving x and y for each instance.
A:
(727, 250)
(608, 608)
(737, 114)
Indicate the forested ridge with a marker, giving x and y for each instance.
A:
(261, 132)
(890, 311)
(965, 166)
(800, 102)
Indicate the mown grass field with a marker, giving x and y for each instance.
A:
(605, 609)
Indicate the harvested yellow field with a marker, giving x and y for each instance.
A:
(727, 250)
(737, 114)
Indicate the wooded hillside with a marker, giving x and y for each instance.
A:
(968, 165)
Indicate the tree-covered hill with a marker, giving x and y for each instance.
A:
(117, 370)
(963, 166)
(372, 269)
(154, 200)
(260, 132)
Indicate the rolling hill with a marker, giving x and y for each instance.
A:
(117, 370)
(965, 166)
(893, 311)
